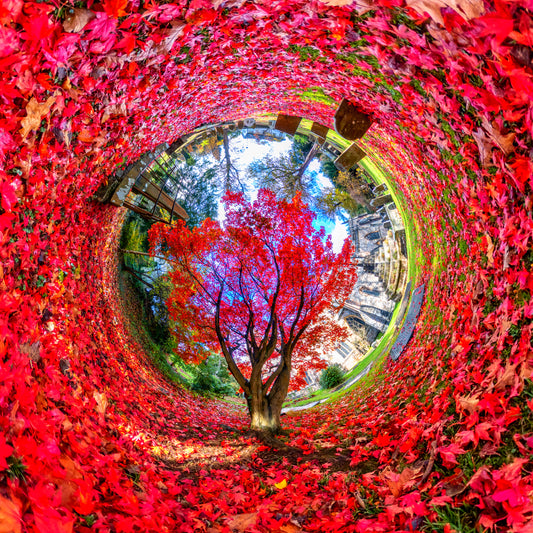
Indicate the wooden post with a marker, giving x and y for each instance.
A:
(349, 122)
(320, 130)
(287, 124)
(352, 155)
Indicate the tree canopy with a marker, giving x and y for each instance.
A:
(259, 288)
(286, 174)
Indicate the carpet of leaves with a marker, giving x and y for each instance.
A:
(93, 439)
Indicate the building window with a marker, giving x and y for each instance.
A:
(373, 236)
(344, 350)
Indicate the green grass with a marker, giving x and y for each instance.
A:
(317, 396)
(160, 360)
(373, 355)
(16, 468)
(374, 170)
(317, 94)
(329, 396)
(334, 138)
(306, 124)
(414, 253)
(462, 519)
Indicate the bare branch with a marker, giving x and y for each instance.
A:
(274, 375)
(273, 316)
(135, 252)
(133, 273)
(298, 313)
(232, 366)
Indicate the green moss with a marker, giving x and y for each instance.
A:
(439, 74)
(417, 86)
(317, 94)
(463, 246)
(396, 95)
(305, 52)
(400, 18)
(492, 302)
(475, 80)
(446, 128)
(358, 71)
(358, 19)
(184, 56)
(351, 57)
(90, 519)
(371, 60)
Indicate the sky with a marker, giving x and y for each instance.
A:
(245, 151)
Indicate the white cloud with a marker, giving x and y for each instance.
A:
(338, 235)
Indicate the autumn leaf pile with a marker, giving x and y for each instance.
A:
(93, 438)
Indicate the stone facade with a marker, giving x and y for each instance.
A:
(369, 307)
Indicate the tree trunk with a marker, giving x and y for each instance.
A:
(228, 160)
(265, 416)
(133, 273)
(264, 406)
(310, 156)
(146, 254)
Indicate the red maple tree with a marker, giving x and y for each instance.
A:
(262, 289)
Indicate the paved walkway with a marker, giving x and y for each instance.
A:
(410, 322)
(343, 386)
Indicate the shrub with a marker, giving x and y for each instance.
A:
(212, 377)
(331, 376)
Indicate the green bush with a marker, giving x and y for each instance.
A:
(212, 377)
(331, 376)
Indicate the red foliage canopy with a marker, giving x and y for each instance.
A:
(265, 272)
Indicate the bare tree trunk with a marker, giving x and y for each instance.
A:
(146, 254)
(227, 159)
(310, 156)
(265, 415)
(133, 273)
(264, 405)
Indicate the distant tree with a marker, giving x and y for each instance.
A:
(135, 238)
(334, 202)
(200, 196)
(355, 184)
(212, 377)
(286, 175)
(328, 168)
(301, 146)
(231, 179)
(193, 184)
(258, 290)
(279, 174)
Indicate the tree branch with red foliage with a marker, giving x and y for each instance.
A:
(261, 281)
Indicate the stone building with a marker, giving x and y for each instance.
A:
(369, 308)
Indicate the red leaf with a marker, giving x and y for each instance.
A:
(127, 43)
(37, 28)
(10, 516)
(5, 452)
(497, 26)
(115, 8)
(50, 521)
(9, 41)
